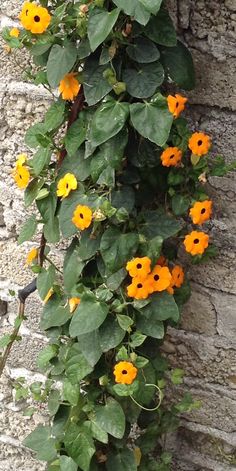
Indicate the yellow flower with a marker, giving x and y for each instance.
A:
(69, 86)
(32, 255)
(139, 267)
(38, 20)
(21, 176)
(15, 32)
(48, 295)
(66, 184)
(22, 158)
(73, 303)
(82, 217)
(24, 16)
(125, 372)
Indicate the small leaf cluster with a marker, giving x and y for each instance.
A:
(126, 56)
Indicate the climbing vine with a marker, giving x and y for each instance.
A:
(114, 172)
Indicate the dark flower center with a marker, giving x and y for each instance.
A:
(124, 372)
(177, 104)
(203, 211)
(67, 186)
(172, 156)
(196, 241)
(199, 142)
(81, 216)
(139, 285)
(26, 12)
(37, 19)
(156, 277)
(139, 265)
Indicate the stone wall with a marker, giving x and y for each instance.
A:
(205, 345)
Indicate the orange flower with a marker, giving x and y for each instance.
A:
(171, 157)
(199, 143)
(125, 372)
(160, 278)
(139, 267)
(201, 211)
(24, 16)
(38, 20)
(73, 303)
(177, 276)
(15, 32)
(69, 86)
(139, 288)
(196, 242)
(82, 217)
(176, 104)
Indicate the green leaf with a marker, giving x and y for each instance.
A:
(78, 165)
(125, 322)
(114, 281)
(88, 245)
(95, 85)
(110, 334)
(109, 155)
(67, 464)
(79, 445)
(55, 115)
(111, 418)
(134, 8)
(143, 50)
(27, 230)
(51, 230)
(77, 366)
(71, 392)
(60, 61)
(143, 80)
(124, 460)
(31, 139)
(125, 390)
(41, 441)
(54, 315)
(152, 5)
(89, 315)
(137, 339)
(45, 281)
(89, 345)
(123, 197)
(76, 135)
(54, 399)
(32, 191)
(152, 248)
(117, 248)
(152, 120)
(41, 159)
(161, 30)
(72, 267)
(108, 120)
(159, 224)
(83, 49)
(180, 204)
(44, 357)
(178, 64)
(97, 432)
(100, 24)
(161, 308)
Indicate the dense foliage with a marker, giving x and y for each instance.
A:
(115, 173)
